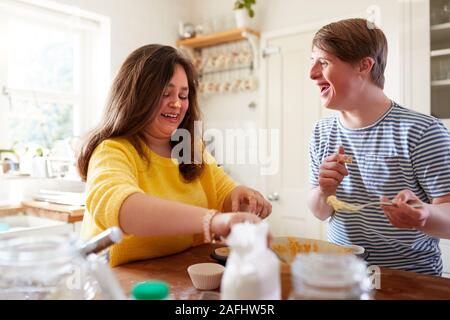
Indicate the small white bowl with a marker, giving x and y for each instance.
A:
(206, 276)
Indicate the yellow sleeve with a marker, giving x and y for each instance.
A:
(112, 177)
(222, 182)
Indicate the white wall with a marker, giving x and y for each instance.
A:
(232, 111)
(137, 22)
(274, 15)
(133, 23)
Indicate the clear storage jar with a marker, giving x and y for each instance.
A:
(44, 267)
(330, 277)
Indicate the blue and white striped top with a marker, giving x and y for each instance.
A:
(402, 150)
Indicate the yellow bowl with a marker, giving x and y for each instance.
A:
(286, 248)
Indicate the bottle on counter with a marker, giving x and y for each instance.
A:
(150, 290)
(253, 270)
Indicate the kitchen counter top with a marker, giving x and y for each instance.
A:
(395, 284)
(6, 210)
(66, 213)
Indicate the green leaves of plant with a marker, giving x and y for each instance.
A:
(245, 4)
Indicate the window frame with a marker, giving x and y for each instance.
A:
(90, 83)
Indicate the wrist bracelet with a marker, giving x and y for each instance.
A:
(207, 218)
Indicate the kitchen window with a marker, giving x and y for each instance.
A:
(54, 72)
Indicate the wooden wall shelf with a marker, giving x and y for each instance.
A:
(217, 38)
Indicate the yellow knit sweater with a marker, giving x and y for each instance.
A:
(116, 171)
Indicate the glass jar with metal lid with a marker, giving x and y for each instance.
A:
(330, 276)
(55, 267)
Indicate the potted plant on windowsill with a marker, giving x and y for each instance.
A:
(244, 12)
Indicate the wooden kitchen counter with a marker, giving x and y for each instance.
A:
(395, 284)
(10, 210)
(66, 213)
(62, 212)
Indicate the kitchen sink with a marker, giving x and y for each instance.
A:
(24, 225)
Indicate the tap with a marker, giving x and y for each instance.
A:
(9, 160)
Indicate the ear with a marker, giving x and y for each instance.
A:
(366, 65)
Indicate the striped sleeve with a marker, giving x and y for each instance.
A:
(431, 160)
(314, 162)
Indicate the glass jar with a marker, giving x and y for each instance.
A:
(52, 267)
(330, 277)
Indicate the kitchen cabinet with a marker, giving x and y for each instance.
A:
(440, 58)
(426, 65)
(426, 56)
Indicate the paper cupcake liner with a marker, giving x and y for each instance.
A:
(209, 282)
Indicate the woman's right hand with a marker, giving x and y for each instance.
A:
(221, 223)
(331, 173)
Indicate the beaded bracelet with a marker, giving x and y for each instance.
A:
(209, 237)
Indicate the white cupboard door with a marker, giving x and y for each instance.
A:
(293, 106)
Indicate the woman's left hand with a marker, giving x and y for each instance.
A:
(402, 215)
(246, 199)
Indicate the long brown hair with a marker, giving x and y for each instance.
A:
(351, 40)
(134, 101)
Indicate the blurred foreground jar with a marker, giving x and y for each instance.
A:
(330, 277)
(55, 267)
(253, 270)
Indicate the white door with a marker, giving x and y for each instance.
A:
(292, 106)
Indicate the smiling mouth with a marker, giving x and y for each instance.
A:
(172, 116)
(324, 88)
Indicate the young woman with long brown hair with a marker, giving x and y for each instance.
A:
(163, 205)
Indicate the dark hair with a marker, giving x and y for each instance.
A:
(352, 40)
(134, 101)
